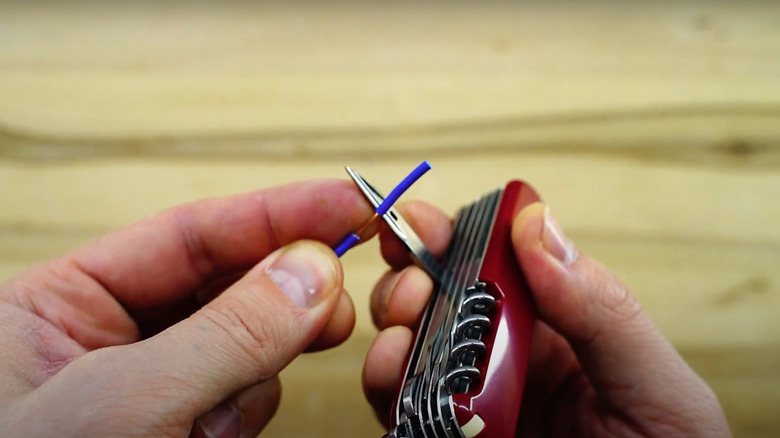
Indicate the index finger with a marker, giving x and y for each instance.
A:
(163, 259)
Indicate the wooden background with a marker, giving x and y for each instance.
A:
(652, 128)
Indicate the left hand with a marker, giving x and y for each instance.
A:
(178, 325)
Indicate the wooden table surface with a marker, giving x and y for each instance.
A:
(652, 128)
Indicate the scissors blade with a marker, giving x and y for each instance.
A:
(400, 228)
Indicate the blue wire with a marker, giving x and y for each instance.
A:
(352, 239)
(399, 190)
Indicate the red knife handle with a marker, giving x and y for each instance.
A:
(498, 399)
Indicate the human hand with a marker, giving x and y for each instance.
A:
(598, 365)
(133, 336)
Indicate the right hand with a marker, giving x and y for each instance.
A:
(598, 365)
(178, 325)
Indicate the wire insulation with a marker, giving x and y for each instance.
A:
(399, 190)
(352, 239)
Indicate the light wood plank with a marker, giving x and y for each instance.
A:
(742, 137)
(143, 74)
(699, 247)
(589, 194)
(652, 129)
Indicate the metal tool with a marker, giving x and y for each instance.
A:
(466, 367)
(383, 207)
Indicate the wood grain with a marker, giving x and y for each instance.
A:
(653, 130)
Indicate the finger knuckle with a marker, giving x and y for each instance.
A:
(621, 303)
(617, 305)
(249, 336)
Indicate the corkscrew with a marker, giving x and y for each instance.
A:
(466, 369)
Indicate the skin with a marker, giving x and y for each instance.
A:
(178, 326)
(125, 338)
(598, 365)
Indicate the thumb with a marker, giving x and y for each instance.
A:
(246, 335)
(624, 356)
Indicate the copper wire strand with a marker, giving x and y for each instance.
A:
(363, 230)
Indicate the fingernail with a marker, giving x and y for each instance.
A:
(224, 421)
(303, 272)
(555, 242)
